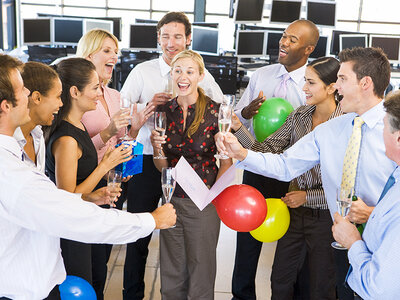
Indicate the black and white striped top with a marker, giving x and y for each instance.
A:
(297, 125)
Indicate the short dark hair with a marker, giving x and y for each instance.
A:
(371, 62)
(7, 64)
(392, 107)
(38, 77)
(178, 17)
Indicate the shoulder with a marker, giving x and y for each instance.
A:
(112, 93)
(147, 65)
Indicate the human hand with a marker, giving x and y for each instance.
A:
(164, 216)
(102, 196)
(115, 156)
(229, 145)
(118, 120)
(236, 124)
(295, 199)
(252, 109)
(139, 118)
(157, 140)
(344, 232)
(359, 211)
(160, 99)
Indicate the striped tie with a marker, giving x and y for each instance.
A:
(351, 157)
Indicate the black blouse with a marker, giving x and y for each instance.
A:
(200, 148)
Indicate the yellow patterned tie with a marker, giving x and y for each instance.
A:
(351, 156)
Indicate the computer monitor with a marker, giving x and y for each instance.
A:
(250, 43)
(67, 31)
(205, 40)
(248, 11)
(206, 24)
(143, 37)
(320, 48)
(335, 47)
(90, 24)
(348, 41)
(389, 44)
(36, 31)
(145, 21)
(273, 38)
(285, 11)
(322, 12)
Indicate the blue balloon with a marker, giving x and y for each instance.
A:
(75, 287)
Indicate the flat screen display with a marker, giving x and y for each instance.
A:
(143, 37)
(285, 11)
(348, 41)
(320, 48)
(322, 12)
(67, 31)
(205, 40)
(37, 31)
(250, 43)
(249, 11)
(389, 44)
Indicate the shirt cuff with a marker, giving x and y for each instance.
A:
(244, 137)
(250, 159)
(148, 223)
(354, 254)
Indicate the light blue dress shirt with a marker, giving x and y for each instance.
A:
(326, 145)
(375, 259)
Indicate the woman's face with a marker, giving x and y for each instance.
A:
(186, 76)
(105, 59)
(49, 104)
(89, 96)
(315, 89)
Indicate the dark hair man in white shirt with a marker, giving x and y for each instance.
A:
(34, 214)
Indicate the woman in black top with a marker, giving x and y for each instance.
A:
(71, 158)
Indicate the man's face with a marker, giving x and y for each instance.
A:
(293, 46)
(20, 112)
(390, 139)
(349, 87)
(172, 40)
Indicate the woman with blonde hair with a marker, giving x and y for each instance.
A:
(106, 124)
(188, 251)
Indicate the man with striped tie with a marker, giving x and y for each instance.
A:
(363, 77)
(374, 258)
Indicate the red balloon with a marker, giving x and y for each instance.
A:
(241, 207)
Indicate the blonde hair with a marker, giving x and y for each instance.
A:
(202, 100)
(92, 41)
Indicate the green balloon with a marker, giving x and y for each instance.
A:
(271, 115)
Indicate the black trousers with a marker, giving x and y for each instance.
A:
(101, 252)
(343, 291)
(144, 192)
(309, 235)
(247, 248)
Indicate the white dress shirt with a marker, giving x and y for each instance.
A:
(266, 79)
(34, 214)
(375, 260)
(151, 77)
(38, 144)
(326, 145)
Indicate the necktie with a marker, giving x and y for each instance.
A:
(351, 156)
(281, 89)
(389, 183)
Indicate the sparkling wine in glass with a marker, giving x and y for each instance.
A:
(160, 125)
(343, 201)
(224, 123)
(169, 87)
(114, 179)
(168, 183)
(126, 105)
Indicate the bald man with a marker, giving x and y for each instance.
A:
(285, 80)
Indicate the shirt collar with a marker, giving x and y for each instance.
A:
(374, 115)
(296, 75)
(174, 105)
(396, 173)
(10, 144)
(164, 67)
(36, 134)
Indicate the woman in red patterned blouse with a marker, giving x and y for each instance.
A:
(188, 251)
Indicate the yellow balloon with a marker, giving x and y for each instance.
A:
(276, 223)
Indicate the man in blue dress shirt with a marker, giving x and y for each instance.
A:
(363, 77)
(375, 258)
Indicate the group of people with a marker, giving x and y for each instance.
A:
(65, 122)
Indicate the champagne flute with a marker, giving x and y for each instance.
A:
(343, 201)
(168, 184)
(126, 105)
(114, 179)
(224, 123)
(160, 125)
(169, 87)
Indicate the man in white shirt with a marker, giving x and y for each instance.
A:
(34, 214)
(146, 84)
(297, 43)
